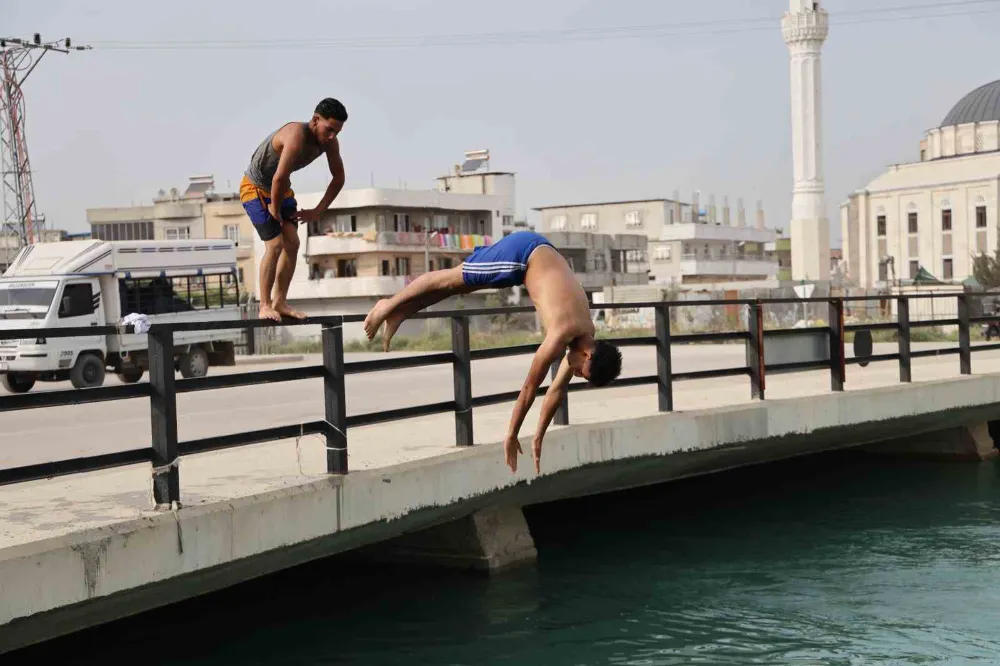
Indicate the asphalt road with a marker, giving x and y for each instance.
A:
(38, 435)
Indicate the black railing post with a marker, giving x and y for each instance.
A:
(837, 362)
(462, 371)
(755, 326)
(163, 417)
(561, 416)
(964, 344)
(903, 333)
(664, 371)
(251, 341)
(335, 397)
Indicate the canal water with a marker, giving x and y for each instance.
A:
(828, 560)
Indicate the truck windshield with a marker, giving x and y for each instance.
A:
(34, 299)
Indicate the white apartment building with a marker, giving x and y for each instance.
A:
(683, 248)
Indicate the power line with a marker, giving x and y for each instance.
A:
(693, 28)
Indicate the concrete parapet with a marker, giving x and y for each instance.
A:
(962, 443)
(488, 540)
(52, 586)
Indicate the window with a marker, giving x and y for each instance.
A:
(946, 220)
(911, 219)
(508, 220)
(881, 225)
(633, 218)
(558, 223)
(401, 222)
(152, 296)
(347, 268)
(122, 231)
(231, 232)
(947, 273)
(914, 268)
(980, 217)
(588, 221)
(402, 265)
(385, 267)
(178, 233)
(445, 262)
(77, 300)
(883, 271)
(662, 253)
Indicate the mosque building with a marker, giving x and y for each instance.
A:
(934, 214)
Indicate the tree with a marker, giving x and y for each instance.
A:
(986, 269)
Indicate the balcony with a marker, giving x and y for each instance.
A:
(598, 281)
(360, 242)
(715, 232)
(354, 287)
(735, 266)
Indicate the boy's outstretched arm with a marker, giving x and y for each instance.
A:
(551, 349)
(553, 397)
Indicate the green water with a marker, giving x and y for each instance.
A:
(830, 560)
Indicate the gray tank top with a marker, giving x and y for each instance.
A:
(263, 163)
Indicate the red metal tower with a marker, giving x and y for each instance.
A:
(21, 221)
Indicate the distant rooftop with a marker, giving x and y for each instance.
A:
(464, 174)
(612, 203)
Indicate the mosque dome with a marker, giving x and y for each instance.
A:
(982, 105)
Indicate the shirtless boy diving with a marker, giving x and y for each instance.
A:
(287, 149)
(524, 258)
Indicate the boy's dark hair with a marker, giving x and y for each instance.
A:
(605, 363)
(331, 108)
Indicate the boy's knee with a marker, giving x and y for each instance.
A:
(290, 244)
(273, 245)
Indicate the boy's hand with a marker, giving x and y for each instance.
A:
(275, 210)
(511, 449)
(308, 215)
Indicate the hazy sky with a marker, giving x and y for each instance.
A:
(577, 120)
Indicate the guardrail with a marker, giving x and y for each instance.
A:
(162, 389)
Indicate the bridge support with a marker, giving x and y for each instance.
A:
(488, 540)
(973, 442)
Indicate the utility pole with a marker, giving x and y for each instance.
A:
(21, 222)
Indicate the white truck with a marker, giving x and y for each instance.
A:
(98, 283)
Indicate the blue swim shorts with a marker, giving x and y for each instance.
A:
(504, 263)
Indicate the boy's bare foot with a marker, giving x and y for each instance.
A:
(375, 317)
(267, 312)
(392, 323)
(285, 311)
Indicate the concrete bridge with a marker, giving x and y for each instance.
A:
(92, 539)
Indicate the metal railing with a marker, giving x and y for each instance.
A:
(162, 389)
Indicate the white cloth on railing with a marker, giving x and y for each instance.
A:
(140, 321)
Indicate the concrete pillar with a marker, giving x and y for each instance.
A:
(488, 540)
(965, 443)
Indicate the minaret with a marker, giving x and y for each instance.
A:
(805, 28)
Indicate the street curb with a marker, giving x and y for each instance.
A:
(265, 359)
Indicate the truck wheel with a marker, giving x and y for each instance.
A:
(88, 372)
(130, 375)
(194, 363)
(18, 382)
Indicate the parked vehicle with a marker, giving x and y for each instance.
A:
(98, 283)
